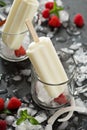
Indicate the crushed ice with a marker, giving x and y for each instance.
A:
(64, 16)
(80, 58)
(26, 72)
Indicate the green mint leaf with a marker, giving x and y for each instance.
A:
(20, 120)
(6, 111)
(24, 116)
(23, 113)
(2, 3)
(56, 9)
(33, 121)
(51, 11)
(60, 8)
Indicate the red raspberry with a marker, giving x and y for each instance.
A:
(54, 22)
(20, 52)
(49, 5)
(14, 103)
(46, 13)
(61, 99)
(78, 20)
(2, 22)
(3, 125)
(1, 104)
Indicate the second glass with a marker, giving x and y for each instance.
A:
(38, 87)
(23, 39)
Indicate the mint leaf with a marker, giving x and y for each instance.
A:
(2, 3)
(23, 113)
(6, 111)
(20, 120)
(34, 121)
(60, 8)
(24, 116)
(56, 9)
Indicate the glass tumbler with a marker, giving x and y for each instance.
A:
(21, 38)
(14, 55)
(6, 39)
(38, 87)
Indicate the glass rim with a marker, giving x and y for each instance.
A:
(57, 84)
(20, 33)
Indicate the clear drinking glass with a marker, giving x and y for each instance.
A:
(40, 95)
(24, 39)
(10, 54)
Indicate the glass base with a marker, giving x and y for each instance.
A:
(9, 55)
(43, 99)
(48, 105)
(22, 58)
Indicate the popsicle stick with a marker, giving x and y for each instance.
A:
(32, 30)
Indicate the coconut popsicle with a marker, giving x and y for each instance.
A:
(15, 23)
(47, 64)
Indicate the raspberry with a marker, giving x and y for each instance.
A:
(14, 103)
(78, 20)
(54, 21)
(20, 52)
(3, 125)
(49, 5)
(61, 99)
(2, 22)
(1, 104)
(46, 13)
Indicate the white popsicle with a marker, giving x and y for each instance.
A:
(15, 23)
(47, 65)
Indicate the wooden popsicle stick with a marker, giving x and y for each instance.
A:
(32, 30)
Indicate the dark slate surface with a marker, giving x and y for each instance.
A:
(8, 69)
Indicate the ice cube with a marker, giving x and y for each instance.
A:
(48, 127)
(80, 103)
(80, 56)
(41, 117)
(26, 72)
(75, 46)
(10, 120)
(63, 125)
(29, 126)
(17, 78)
(64, 16)
(50, 34)
(68, 51)
(42, 93)
(22, 126)
(59, 2)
